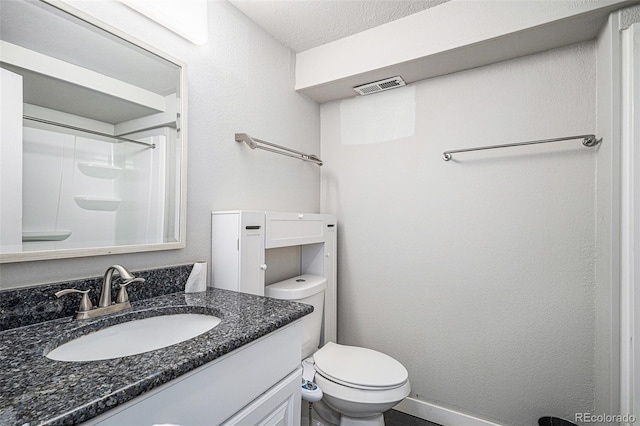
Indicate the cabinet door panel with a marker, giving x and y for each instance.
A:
(331, 294)
(280, 406)
(291, 229)
(225, 264)
(251, 261)
(237, 251)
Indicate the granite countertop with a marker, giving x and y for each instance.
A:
(35, 390)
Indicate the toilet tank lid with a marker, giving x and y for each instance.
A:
(297, 287)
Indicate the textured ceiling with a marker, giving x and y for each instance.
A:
(303, 24)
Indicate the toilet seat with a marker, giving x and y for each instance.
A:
(359, 368)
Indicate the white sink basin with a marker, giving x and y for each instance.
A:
(134, 337)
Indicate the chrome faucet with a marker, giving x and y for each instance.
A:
(86, 309)
(127, 277)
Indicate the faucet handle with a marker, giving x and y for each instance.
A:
(123, 296)
(85, 303)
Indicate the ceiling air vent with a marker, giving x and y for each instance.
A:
(380, 85)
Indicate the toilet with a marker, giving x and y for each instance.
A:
(356, 385)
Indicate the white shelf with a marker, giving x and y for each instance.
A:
(97, 203)
(61, 71)
(100, 171)
(45, 235)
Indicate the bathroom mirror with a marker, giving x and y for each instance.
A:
(93, 138)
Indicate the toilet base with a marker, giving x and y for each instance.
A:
(304, 421)
(377, 420)
(327, 416)
(321, 412)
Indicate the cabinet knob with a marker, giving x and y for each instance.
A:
(328, 254)
(263, 267)
(300, 216)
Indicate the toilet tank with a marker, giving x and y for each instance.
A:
(307, 289)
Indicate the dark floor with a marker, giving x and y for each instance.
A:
(396, 418)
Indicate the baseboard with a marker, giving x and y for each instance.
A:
(441, 415)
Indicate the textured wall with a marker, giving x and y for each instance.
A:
(240, 81)
(478, 273)
(629, 16)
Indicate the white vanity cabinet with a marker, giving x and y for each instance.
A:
(256, 384)
(239, 240)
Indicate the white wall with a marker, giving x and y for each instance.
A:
(478, 273)
(240, 81)
(629, 16)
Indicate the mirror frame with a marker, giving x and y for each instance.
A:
(26, 256)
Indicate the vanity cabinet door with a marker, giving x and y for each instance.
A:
(280, 406)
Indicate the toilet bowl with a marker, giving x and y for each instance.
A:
(360, 383)
(357, 384)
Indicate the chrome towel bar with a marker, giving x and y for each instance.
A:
(255, 143)
(587, 140)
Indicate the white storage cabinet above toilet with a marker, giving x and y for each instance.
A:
(294, 229)
(239, 240)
